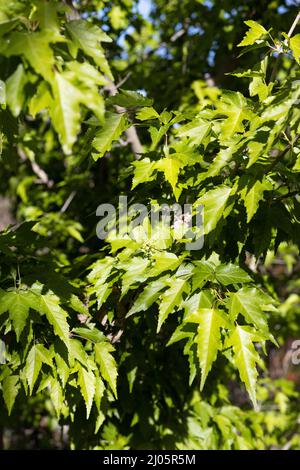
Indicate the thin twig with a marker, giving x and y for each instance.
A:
(296, 20)
(68, 201)
(43, 177)
(291, 30)
(121, 82)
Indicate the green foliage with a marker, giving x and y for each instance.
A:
(139, 341)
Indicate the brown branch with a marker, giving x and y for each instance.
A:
(43, 177)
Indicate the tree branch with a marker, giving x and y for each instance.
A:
(43, 177)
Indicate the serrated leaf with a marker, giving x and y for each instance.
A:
(195, 130)
(165, 261)
(149, 295)
(171, 168)
(94, 335)
(295, 47)
(214, 202)
(236, 108)
(208, 339)
(245, 358)
(37, 356)
(107, 364)
(170, 299)
(248, 302)
(78, 305)
(143, 172)
(114, 126)
(10, 390)
(41, 100)
(87, 37)
(15, 96)
(258, 87)
(255, 32)
(221, 159)
(101, 269)
(203, 299)
(130, 99)
(146, 113)
(18, 303)
(135, 272)
(204, 271)
(35, 46)
(86, 381)
(229, 273)
(255, 151)
(56, 395)
(253, 195)
(65, 110)
(56, 316)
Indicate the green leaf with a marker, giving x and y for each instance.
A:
(221, 159)
(203, 299)
(87, 37)
(253, 195)
(10, 390)
(255, 32)
(56, 316)
(214, 202)
(113, 128)
(36, 49)
(56, 395)
(295, 46)
(143, 172)
(86, 381)
(6, 26)
(78, 305)
(170, 299)
(37, 356)
(135, 272)
(165, 261)
(107, 364)
(259, 87)
(101, 269)
(146, 114)
(94, 335)
(255, 151)
(171, 168)
(15, 90)
(149, 295)
(130, 99)
(18, 303)
(65, 110)
(41, 100)
(195, 130)
(234, 105)
(248, 302)
(203, 272)
(208, 338)
(229, 273)
(245, 358)
(46, 15)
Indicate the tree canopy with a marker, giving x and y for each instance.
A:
(142, 340)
